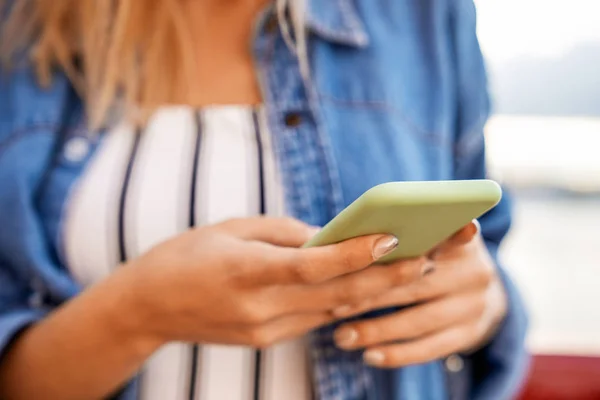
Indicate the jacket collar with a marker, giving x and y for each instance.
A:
(337, 21)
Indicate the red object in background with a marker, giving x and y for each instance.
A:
(563, 378)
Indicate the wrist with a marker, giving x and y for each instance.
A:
(128, 313)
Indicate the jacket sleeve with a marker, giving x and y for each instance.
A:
(22, 299)
(19, 307)
(26, 268)
(496, 371)
(24, 296)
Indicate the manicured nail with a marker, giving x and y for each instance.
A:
(427, 268)
(342, 311)
(477, 226)
(313, 230)
(384, 246)
(374, 357)
(346, 337)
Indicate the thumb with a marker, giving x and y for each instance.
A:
(462, 237)
(465, 234)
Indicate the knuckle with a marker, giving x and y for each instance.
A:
(260, 260)
(474, 333)
(236, 220)
(480, 305)
(252, 313)
(419, 291)
(342, 295)
(289, 221)
(231, 223)
(420, 325)
(366, 333)
(435, 352)
(292, 225)
(405, 273)
(351, 292)
(484, 276)
(392, 360)
(239, 273)
(302, 268)
(260, 337)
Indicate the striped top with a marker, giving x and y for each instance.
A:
(187, 168)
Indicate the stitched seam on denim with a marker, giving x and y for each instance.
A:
(473, 138)
(349, 14)
(268, 71)
(381, 106)
(342, 37)
(352, 32)
(327, 163)
(289, 106)
(294, 144)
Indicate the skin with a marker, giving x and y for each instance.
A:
(241, 282)
(247, 282)
(456, 307)
(233, 23)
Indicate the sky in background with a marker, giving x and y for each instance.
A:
(547, 28)
(539, 53)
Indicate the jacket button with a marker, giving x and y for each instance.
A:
(292, 120)
(76, 149)
(454, 363)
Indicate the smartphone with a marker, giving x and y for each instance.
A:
(420, 214)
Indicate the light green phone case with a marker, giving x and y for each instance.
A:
(420, 214)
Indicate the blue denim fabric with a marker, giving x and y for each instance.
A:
(397, 92)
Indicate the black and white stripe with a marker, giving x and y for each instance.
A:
(91, 226)
(193, 223)
(157, 208)
(186, 169)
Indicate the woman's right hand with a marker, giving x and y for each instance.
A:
(241, 282)
(245, 281)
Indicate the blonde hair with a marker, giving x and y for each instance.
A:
(136, 51)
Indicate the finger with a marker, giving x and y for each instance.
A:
(438, 284)
(412, 323)
(285, 232)
(350, 289)
(263, 334)
(320, 264)
(285, 328)
(462, 237)
(465, 234)
(429, 348)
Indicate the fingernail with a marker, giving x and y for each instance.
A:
(346, 337)
(477, 226)
(428, 268)
(374, 357)
(384, 246)
(342, 311)
(313, 230)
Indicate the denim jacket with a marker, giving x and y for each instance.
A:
(397, 92)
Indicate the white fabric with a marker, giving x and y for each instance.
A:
(158, 203)
(90, 244)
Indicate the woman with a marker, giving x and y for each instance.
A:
(124, 124)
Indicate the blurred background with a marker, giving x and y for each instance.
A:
(543, 60)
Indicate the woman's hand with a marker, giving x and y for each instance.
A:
(246, 282)
(454, 308)
(239, 282)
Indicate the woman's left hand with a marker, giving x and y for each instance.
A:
(456, 307)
